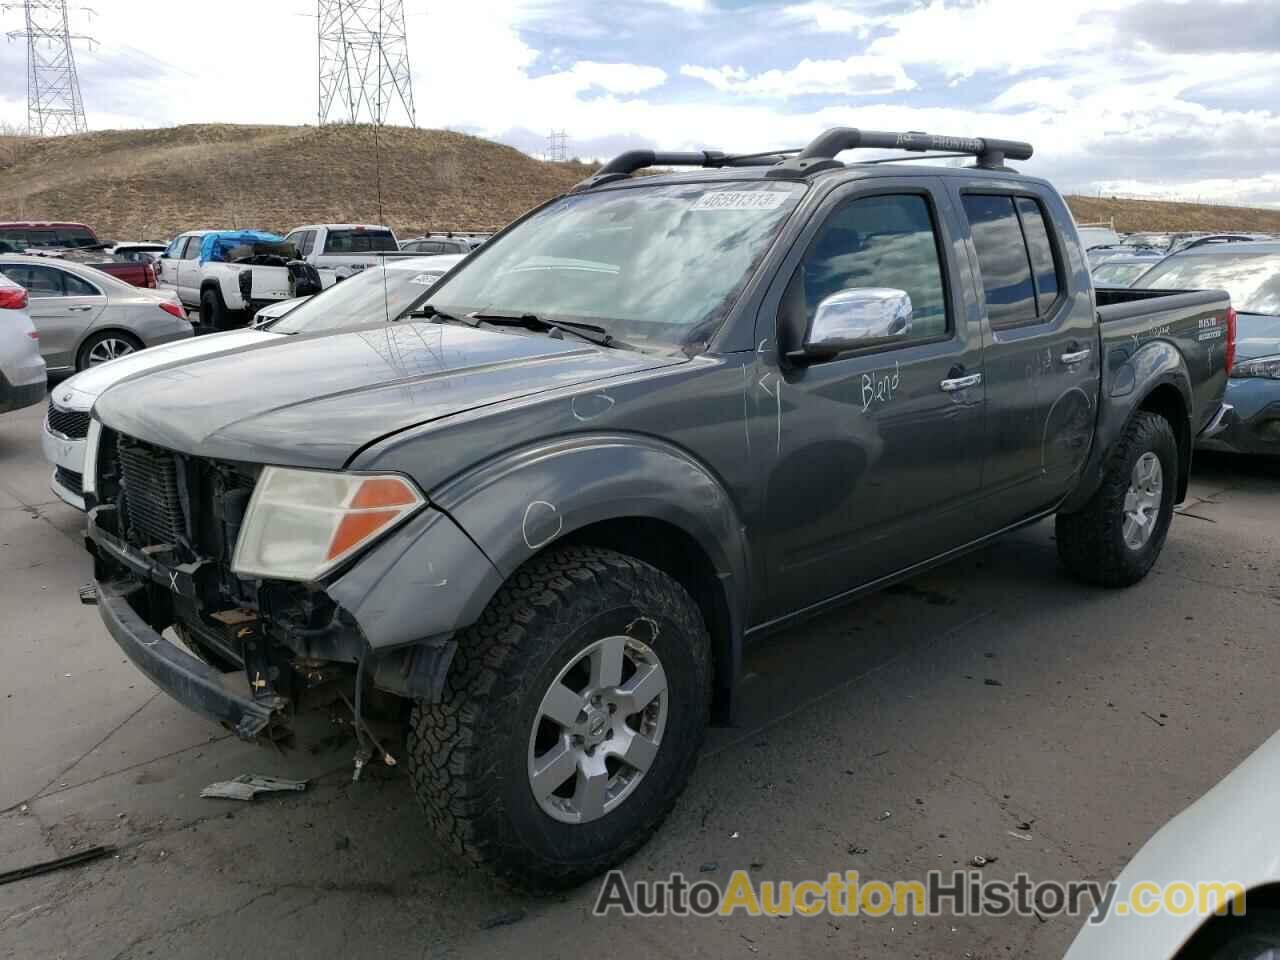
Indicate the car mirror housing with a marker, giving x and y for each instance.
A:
(856, 318)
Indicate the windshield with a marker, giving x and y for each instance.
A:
(1252, 279)
(661, 264)
(375, 295)
(1119, 274)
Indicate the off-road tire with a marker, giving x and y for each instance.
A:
(468, 753)
(213, 310)
(1250, 937)
(1091, 541)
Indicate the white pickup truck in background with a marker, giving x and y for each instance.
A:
(217, 287)
(345, 248)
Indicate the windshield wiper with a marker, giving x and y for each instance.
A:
(591, 332)
(432, 312)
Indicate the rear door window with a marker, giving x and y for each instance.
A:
(73, 286)
(1044, 269)
(1002, 257)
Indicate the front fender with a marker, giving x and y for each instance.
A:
(521, 504)
(1130, 377)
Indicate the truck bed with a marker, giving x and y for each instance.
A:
(1192, 323)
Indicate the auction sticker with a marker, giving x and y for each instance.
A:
(741, 200)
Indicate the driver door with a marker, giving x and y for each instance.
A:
(876, 463)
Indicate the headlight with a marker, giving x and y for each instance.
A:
(1268, 368)
(302, 523)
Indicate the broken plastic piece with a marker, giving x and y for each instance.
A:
(249, 785)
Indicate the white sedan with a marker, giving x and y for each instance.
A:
(382, 293)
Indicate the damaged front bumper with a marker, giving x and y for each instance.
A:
(223, 697)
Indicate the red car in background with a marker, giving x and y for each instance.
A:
(72, 241)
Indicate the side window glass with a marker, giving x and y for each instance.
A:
(75, 287)
(1042, 263)
(1002, 257)
(192, 249)
(888, 241)
(42, 282)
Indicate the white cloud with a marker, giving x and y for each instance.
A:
(829, 17)
(855, 76)
(612, 77)
(962, 39)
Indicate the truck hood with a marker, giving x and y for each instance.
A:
(316, 401)
(80, 392)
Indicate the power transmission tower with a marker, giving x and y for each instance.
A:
(364, 61)
(54, 106)
(558, 145)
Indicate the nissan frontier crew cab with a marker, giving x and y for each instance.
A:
(652, 420)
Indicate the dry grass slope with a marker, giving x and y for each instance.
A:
(155, 183)
(1156, 216)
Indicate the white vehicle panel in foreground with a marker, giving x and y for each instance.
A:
(1230, 835)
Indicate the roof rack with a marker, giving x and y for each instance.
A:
(625, 164)
(821, 152)
(817, 156)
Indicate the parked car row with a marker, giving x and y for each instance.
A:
(385, 293)
(1248, 267)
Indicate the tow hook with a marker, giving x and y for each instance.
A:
(89, 595)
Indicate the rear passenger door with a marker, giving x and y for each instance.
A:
(188, 267)
(873, 457)
(1040, 353)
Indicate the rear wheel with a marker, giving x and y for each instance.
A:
(105, 346)
(1115, 539)
(213, 310)
(570, 722)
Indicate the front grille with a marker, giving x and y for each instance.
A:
(72, 424)
(73, 481)
(149, 480)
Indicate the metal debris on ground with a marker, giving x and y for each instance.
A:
(885, 816)
(249, 785)
(981, 861)
(1018, 836)
(48, 866)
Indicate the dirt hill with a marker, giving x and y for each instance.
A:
(155, 183)
(1157, 216)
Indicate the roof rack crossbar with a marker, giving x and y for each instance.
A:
(821, 152)
(625, 164)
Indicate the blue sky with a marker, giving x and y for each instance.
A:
(1154, 97)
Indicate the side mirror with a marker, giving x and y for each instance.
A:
(856, 318)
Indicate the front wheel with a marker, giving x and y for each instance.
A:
(1114, 540)
(570, 722)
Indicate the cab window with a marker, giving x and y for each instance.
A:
(883, 241)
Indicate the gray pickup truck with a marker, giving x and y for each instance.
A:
(654, 419)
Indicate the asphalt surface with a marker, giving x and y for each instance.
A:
(987, 695)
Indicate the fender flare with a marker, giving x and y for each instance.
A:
(1130, 380)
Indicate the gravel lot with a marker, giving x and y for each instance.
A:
(989, 693)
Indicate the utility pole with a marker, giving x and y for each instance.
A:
(54, 106)
(364, 61)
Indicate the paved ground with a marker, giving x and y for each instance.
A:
(985, 695)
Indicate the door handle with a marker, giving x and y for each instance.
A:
(961, 383)
(79, 309)
(1075, 356)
